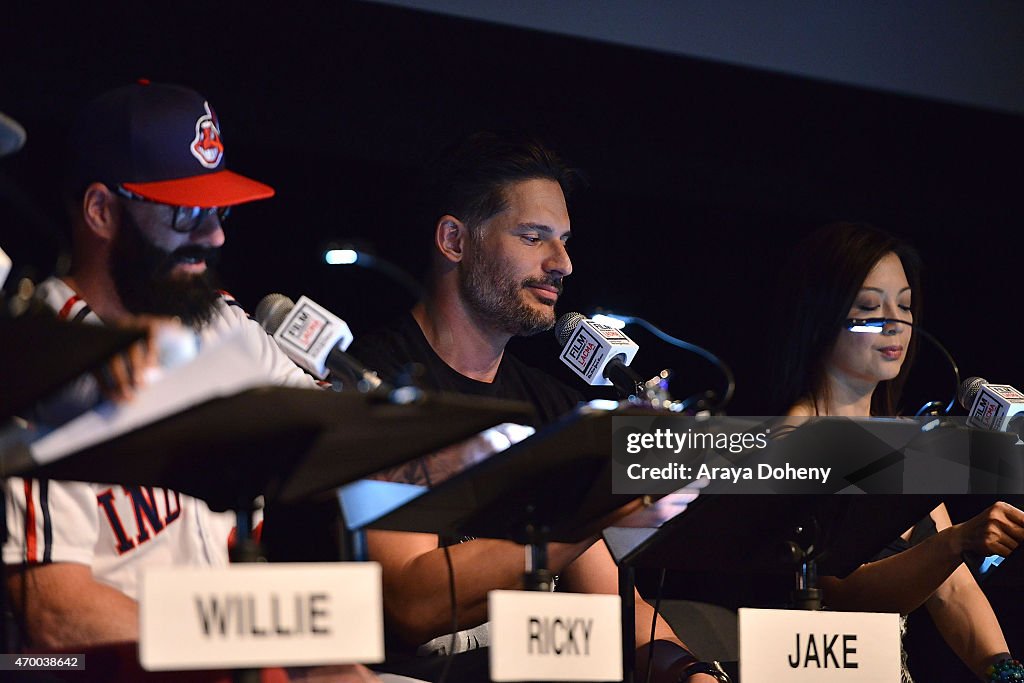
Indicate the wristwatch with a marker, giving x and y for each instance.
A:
(713, 669)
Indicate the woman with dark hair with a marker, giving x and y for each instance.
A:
(827, 276)
(853, 270)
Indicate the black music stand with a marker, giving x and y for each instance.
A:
(554, 486)
(282, 443)
(42, 354)
(751, 535)
(808, 533)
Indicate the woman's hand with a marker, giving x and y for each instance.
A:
(996, 531)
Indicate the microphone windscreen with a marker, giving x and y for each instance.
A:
(968, 391)
(12, 135)
(272, 310)
(566, 325)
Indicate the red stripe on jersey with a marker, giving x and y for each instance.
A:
(65, 310)
(257, 535)
(30, 524)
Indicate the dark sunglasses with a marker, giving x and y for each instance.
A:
(184, 219)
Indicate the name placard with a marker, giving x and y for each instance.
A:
(260, 615)
(794, 646)
(555, 636)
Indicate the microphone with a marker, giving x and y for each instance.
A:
(5, 266)
(599, 354)
(12, 135)
(313, 337)
(998, 407)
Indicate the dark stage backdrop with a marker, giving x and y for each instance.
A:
(701, 175)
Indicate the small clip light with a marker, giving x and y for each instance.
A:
(873, 325)
(867, 325)
(341, 257)
(609, 320)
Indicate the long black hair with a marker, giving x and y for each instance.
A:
(819, 282)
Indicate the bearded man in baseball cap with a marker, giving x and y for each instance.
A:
(148, 192)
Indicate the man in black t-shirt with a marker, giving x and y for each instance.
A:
(392, 350)
(497, 269)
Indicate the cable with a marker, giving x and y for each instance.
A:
(455, 617)
(348, 254)
(952, 363)
(730, 379)
(654, 624)
(927, 407)
(450, 659)
(875, 326)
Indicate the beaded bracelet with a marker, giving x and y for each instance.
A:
(1005, 671)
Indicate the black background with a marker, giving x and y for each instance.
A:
(701, 175)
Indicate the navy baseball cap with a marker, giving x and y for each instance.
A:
(161, 142)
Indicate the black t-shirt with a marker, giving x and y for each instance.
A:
(391, 349)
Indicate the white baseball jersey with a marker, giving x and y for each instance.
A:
(118, 530)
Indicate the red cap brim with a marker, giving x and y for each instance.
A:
(223, 188)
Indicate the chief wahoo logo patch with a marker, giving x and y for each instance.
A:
(206, 146)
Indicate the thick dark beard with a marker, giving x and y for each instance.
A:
(142, 274)
(496, 297)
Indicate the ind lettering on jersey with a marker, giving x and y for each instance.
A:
(136, 514)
